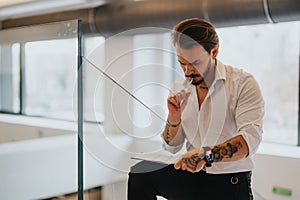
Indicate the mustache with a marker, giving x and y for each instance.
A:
(193, 76)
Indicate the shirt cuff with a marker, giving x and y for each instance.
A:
(170, 148)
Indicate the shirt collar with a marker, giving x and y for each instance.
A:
(220, 71)
(220, 74)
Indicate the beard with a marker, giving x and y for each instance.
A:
(198, 75)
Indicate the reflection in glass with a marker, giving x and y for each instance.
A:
(40, 152)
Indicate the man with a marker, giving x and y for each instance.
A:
(220, 120)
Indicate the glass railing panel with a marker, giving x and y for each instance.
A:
(38, 140)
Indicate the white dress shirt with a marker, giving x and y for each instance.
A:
(233, 106)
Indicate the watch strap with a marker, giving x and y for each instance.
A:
(205, 149)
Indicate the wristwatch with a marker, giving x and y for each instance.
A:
(208, 157)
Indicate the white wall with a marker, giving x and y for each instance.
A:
(47, 167)
(276, 171)
(16, 128)
(11, 132)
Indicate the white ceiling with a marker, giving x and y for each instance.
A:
(6, 3)
(10, 9)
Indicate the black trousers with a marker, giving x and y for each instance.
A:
(148, 179)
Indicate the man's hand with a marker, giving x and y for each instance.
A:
(191, 161)
(175, 106)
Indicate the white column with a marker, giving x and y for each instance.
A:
(118, 65)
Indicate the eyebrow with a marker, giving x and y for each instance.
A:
(192, 63)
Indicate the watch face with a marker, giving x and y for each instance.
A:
(209, 158)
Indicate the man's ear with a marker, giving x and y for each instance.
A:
(214, 53)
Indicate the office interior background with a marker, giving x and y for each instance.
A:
(61, 64)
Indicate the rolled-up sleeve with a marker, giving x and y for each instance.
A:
(176, 144)
(250, 112)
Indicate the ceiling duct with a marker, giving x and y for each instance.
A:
(119, 16)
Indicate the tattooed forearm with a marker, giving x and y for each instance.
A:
(227, 150)
(167, 135)
(192, 162)
(170, 132)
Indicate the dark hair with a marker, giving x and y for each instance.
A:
(194, 31)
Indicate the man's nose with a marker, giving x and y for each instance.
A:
(188, 69)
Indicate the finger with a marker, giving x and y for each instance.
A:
(183, 166)
(188, 94)
(173, 100)
(177, 165)
(191, 170)
(173, 96)
(178, 97)
(200, 166)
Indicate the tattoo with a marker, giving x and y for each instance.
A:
(192, 161)
(225, 150)
(168, 137)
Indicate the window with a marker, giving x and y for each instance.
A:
(38, 66)
(271, 53)
(50, 79)
(50, 69)
(10, 78)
